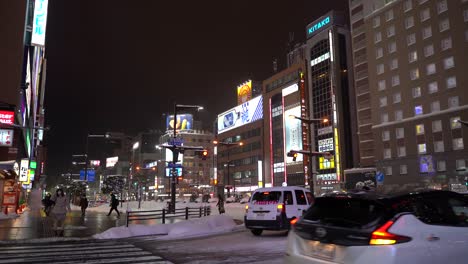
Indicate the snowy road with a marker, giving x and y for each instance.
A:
(236, 247)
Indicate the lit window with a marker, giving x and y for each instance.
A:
(427, 32)
(407, 5)
(401, 151)
(400, 132)
(387, 154)
(380, 69)
(389, 15)
(435, 106)
(420, 129)
(414, 74)
(430, 69)
(411, 39)
(436, 126)
(444, 25)
(385, 135)
(384, 118)
(398, 115)
(454, 124)
(429, 50)
(376, 21)
(441, 6)
(453, 102)
(413, 56)
(403, 169)
(396, 98)
(460, 163)
(439, 146)
(457, 143)
(425, 14)
(449, 63)
(441, 165)
(418, 110)
(395, 80)
(451, 82)
(393, 64)
(378, 53)
(383, 101)
(391, 31)
(422, 148)
(377, 37)
(381, 85)
(446, 43)
(392, 47)
(433, 87)
(416, 92)
(409, 22)
(388, 170)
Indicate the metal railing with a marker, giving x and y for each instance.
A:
(164, 214)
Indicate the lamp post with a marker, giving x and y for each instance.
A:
(135, 146)
(310, 122)
(228, 147)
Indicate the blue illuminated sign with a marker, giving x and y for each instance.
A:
(322, 23)
(39, 22)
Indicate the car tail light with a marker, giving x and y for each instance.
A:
(246, 209)
(281, 208)
(294, 221)
(381, 236)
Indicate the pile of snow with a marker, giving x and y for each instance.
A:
(214, 224)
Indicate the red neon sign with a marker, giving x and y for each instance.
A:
(7, 117)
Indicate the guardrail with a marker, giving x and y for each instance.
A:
(164, 214)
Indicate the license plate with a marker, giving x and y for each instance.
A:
(260, 214)
(320, 250)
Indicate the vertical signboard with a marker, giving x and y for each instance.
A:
(39, 22)
(305, 126)
(24, 167)
(293, 138)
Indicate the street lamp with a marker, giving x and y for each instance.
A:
(228, 146)
(135, 146)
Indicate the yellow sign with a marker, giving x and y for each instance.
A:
(244, 92)
(325, 164)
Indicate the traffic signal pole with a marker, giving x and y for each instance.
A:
(174, 161)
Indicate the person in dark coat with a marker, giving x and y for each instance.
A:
(113, 204)
(48, 203)
(83, 204)
(220, 204)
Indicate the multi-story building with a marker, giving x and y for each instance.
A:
(411, 88)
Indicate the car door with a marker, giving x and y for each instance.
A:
(290, 205)
(301, 202)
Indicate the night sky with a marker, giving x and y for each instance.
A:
(119, 65)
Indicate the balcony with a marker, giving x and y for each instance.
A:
(361, 74)
(360, 60)
(359, 45)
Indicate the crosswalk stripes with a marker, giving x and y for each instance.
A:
(73, 252)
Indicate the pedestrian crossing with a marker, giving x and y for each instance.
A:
(73, 252)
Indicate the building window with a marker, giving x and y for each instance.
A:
(420, 129)
(399, 132)
(398, 115)
(435, 106)
(401, 151)
(426, 32)
(433, 87)
(416, 92)
(380, 69)
(449, 63)
(407, 5)
(425, 14)
(411, 39)
(446, 43)
(412, 56)
(383, 101)
(422, 148)
(457, 143)
(393, 64)
(430, 69)
(381, 85)
(414, 74)
(409, 22)
(396, 98)
(451, 82)
(403, 169)
(384, 118)
(379, 53)
(439, 146)
(418, 110)
(377, 37)
(392, 47)
(389, 15)
(376, 21)
(388, 170)
(453, 102)
(428, 50)
(385, 135)
(444, 25)
(436, 126)
(454, 124)
(395, 80)
(460, 163)
(391, 31)
(441, 165)
(441, 6)
(387, 154)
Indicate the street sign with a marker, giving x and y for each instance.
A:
(175, 141)
(172, 165)
(91, 175)
(379, 177)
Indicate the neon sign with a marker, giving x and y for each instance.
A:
(318, 25)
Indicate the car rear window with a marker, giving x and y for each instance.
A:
(345, 212)
(266, 197)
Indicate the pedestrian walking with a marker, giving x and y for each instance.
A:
(48, 203)
(220, 204)
(59, 211)
(83, 205)
(113, 204)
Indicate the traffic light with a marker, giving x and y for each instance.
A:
(153, 169)
(137, 168)
(179, 178)
(204, 154)
(292, 155)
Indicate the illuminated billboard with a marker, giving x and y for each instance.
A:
(240, 115)
(6, 137)
(95, 163)
(244, 92)
(169, 156)
(293, 133)
(39, 22)
(184, 122)
(110, 162)
(168, 172)
(24, 169)
(7, 117)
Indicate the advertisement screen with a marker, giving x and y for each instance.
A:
(110, 162)
(7, 117)
(184, 122)
(292, 131)
(244, 92)
(240, 115)
(39, 22)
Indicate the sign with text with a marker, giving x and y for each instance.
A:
(90, 177)
(24, 167)
(325, 145)
(7, 117)
(110, 162)
(39, 22)
(293, 133)
(240, 115)
(6, 137)
(169, 172)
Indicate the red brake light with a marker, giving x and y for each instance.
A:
(381, 236)
(294, 221)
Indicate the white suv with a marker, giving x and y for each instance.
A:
(273, 208)
(418, 227)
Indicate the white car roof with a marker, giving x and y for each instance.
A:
(281, 188)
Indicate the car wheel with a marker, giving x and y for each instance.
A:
(256, 232)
